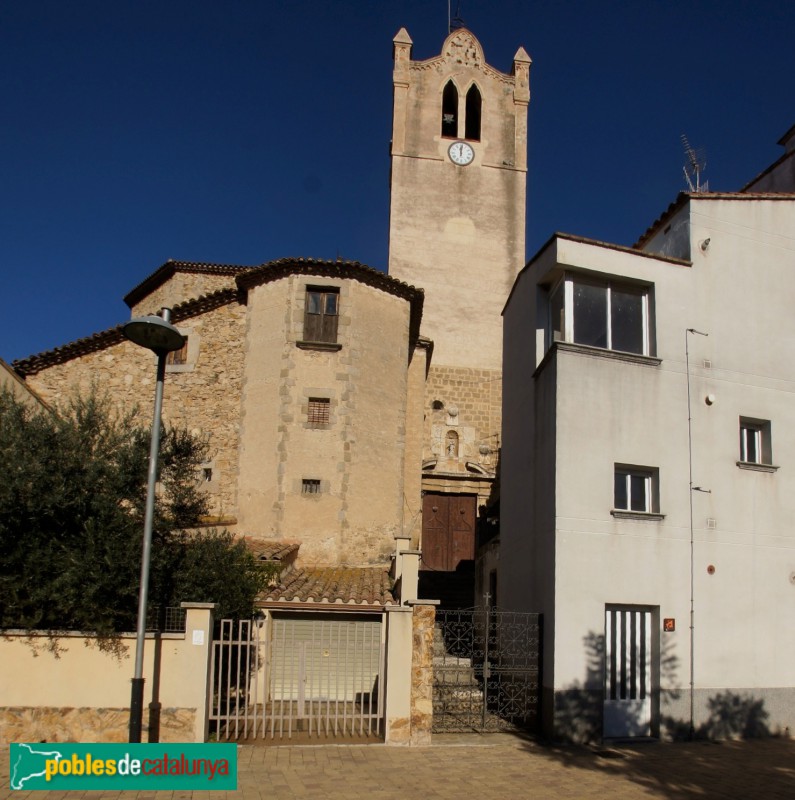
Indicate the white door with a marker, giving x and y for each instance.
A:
(627, 708)
(321, 659)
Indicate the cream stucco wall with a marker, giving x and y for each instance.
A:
(359, 456)
(577, 556)
(53, 679)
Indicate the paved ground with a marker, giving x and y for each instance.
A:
(495, 767)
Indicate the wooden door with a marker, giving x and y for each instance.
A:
(448, 530)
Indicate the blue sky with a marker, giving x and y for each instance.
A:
(240, 131)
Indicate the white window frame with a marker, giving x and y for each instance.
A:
(568, 308)
(650, 478)
(758, 431)
(749, 431)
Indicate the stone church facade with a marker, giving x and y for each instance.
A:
(337, 397)
(457, 228)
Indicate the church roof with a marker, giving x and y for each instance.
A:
(247, 278)
(107, 338)
(167, 270)
(273, 270)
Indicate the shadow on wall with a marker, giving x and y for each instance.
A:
(579, 708)
(731, 716)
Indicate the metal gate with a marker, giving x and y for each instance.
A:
(307, 676)
(486, 674)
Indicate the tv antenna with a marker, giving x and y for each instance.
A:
(453, 23)
(695, 164)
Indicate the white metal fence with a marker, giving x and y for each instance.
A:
(291, 675)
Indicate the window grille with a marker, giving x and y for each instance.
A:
(310, 486)
(318, 412)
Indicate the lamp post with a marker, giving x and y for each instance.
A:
(159, 335)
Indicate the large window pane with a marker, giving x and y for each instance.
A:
(638, 485)
(620, 500)
(557, 313)
(749, 451)
(314, 303)
(626, 320)
(590, 314)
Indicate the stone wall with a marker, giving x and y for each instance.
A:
(415, 441)
(470, 403)
(422, 674)
(459, 231)
(202, 395)
(48, 724)
(180, 287)
(11, 382)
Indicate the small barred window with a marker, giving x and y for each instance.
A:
(310, 486)
(318, 412)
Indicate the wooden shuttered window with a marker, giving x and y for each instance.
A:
(321, 315)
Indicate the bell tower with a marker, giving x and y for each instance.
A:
(457, 213)
(457, 230)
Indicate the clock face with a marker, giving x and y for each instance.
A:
(461, 153)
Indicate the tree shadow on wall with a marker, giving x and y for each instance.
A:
(731, 716)
(688, 770)
(579, 709)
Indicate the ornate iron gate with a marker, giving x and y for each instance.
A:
(486, 673)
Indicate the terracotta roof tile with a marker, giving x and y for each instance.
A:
(361, 586)
(164, 272)
(270, 551)
(340, 269)
(107, 338)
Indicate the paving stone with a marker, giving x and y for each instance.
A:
(492, 768)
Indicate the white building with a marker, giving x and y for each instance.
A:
(601, 466)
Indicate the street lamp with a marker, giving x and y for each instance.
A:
(159, 335)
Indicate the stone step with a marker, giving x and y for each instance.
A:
(452, 662)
